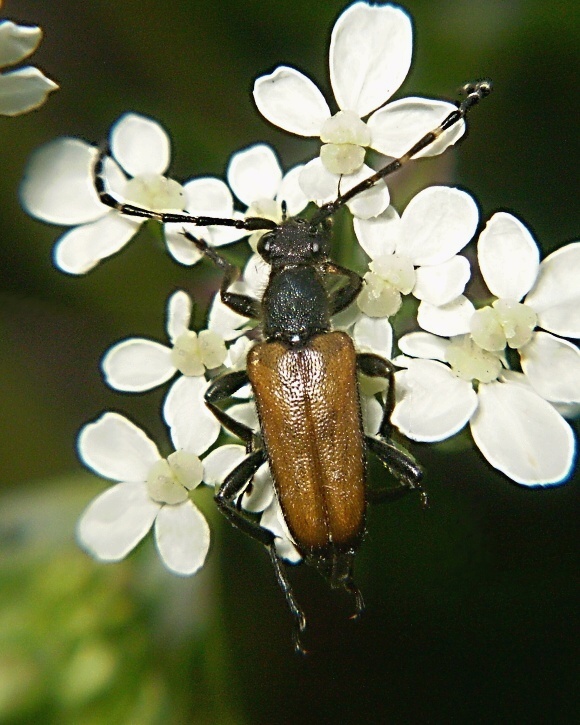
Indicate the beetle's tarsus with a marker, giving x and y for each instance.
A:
(358, 599)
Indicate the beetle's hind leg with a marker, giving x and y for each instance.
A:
(233, 485)
(285, 586)
(400, 463)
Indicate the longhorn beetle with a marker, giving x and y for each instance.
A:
(303, 376)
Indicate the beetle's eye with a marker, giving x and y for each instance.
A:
(264, 245)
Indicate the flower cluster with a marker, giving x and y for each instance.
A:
(501, 363)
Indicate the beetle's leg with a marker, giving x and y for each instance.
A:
(242, 304)
(401, 465)
(105, 197)
(342, 574)
(233, 485)
(378, 367)
(221, 389)
(344, 296)
(474, 93)
(225, 498)
(284, 584)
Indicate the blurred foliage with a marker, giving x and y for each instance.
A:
(472, 603)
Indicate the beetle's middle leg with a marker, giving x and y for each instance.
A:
(221, 389)
(400, 463)
(233, 485)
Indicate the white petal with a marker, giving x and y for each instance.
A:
(23, 90)
(317, 183)
(556, 295)
(17, 42)
(290, 191)
(260, 495)
(508, 256)
(449, 320)
(137, 364)
(256, 275)
(58, 187)
(254, 174)
(372, 414)
(140, 145)
(374, 335)
(442, 283)
(180, 248)
(81, 249)
(522, 435)
(553, 367)
(116, 448)
(432, 403)
(223, 320)
(273, 520)
(222, 460)
(208, 196)
(290, 100)
(347, 318)
(182, 538)
(192, 425)
(178, 314)
(425, 345)
(380, 235)
(370, 203)
(437, 223)
(245, 413)
(370, 55)
(397, 127)
(116, 521)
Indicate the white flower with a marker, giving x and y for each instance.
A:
(58, 188)
(417, 252)
(515, 429)
(256, 178)
(151, 491)
(26, 88)
(531, 295)
(138, 364)
(369, 57)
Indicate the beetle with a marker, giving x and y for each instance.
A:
(304, 380)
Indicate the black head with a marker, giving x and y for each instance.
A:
(295, 241)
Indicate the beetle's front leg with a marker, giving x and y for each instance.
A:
(233, 485)
(242, 304)
(344, 296)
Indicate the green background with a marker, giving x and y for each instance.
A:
(471, 604)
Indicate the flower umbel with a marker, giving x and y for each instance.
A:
(58, 188)
(369, 57)
(513, 424)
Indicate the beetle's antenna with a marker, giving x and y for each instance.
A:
(475, 92)
(250, 224)
(284, 210)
